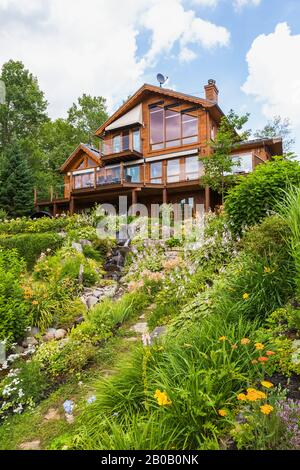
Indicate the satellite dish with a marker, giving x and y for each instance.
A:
(161, 79)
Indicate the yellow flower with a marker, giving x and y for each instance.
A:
(234, 346)
(242, 397)
(223, 338)
(162, 398)
(245, 341)
(246, 296)
(267, 384)
(267, 270)
(259, 346)
(254, 395)
(222, 413)
(35, 302)
(266, 409)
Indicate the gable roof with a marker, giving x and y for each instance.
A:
(85, 148)
(134, 100)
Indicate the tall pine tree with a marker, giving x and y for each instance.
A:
(16, 183)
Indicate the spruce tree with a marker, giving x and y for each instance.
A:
(16, 189)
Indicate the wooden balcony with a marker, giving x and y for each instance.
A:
(123, 148)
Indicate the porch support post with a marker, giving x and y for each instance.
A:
(72, 206)
(122, 172)
(207, 199)
(95, 178)
(134, 197)
(51, 194)
(54, 210)
(165, 196)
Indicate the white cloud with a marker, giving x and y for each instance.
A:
(206, 3)
(243, 3)
(187, 55)
(274, 73)
(92, 45)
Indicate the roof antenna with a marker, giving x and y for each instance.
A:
(161, 79)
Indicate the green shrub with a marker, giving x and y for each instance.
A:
(90, 252)
(257, 194)
(14, 310)
(30, 246)
(25, 386)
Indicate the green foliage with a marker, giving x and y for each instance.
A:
(30, 246)
(91, 253)
(218, 166)
(258, 194)
(23, 387)
(16, 182)
(289, 207)
(14, 311)
(25, 106)
(87, 116)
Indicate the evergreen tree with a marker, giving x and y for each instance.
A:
(16, 184)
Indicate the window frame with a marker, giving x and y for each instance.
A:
(163, 145)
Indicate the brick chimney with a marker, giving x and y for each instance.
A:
(211, 91)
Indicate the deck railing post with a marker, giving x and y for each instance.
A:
(51, 193)
(95, 178)
(122, 172)
(35, 196)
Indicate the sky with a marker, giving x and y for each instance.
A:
(111, 47)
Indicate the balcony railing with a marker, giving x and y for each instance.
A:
(130, 143)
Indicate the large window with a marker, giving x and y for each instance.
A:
(173, 171)
(136, 140)
(132, 174)
(243, 164)
(192, 168)
(171, 128)
(156, 173)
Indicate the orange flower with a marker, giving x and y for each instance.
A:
(259, 346)
(266, 409)
(263, 359)
(270, 353)
(245, 341)
(222, 413)
(223, 338)
(35, 302)
(242, 397)
(234, 346)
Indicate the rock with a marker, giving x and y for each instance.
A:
(85, 243)
(33, 445)
(91, 301)
(98, 293)
(52, 415)
(142, 317)
(69, 418)
(60, 334)
(18, 349)
(80, 319)
(30, 341)
(158, 332)
(140, 328)
(77, 247)
(50, 335)
(62, 234)
(83, 300)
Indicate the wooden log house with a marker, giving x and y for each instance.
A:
(150, 150)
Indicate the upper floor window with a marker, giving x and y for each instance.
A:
(171, 128)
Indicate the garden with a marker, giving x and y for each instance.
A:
(189, 347)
